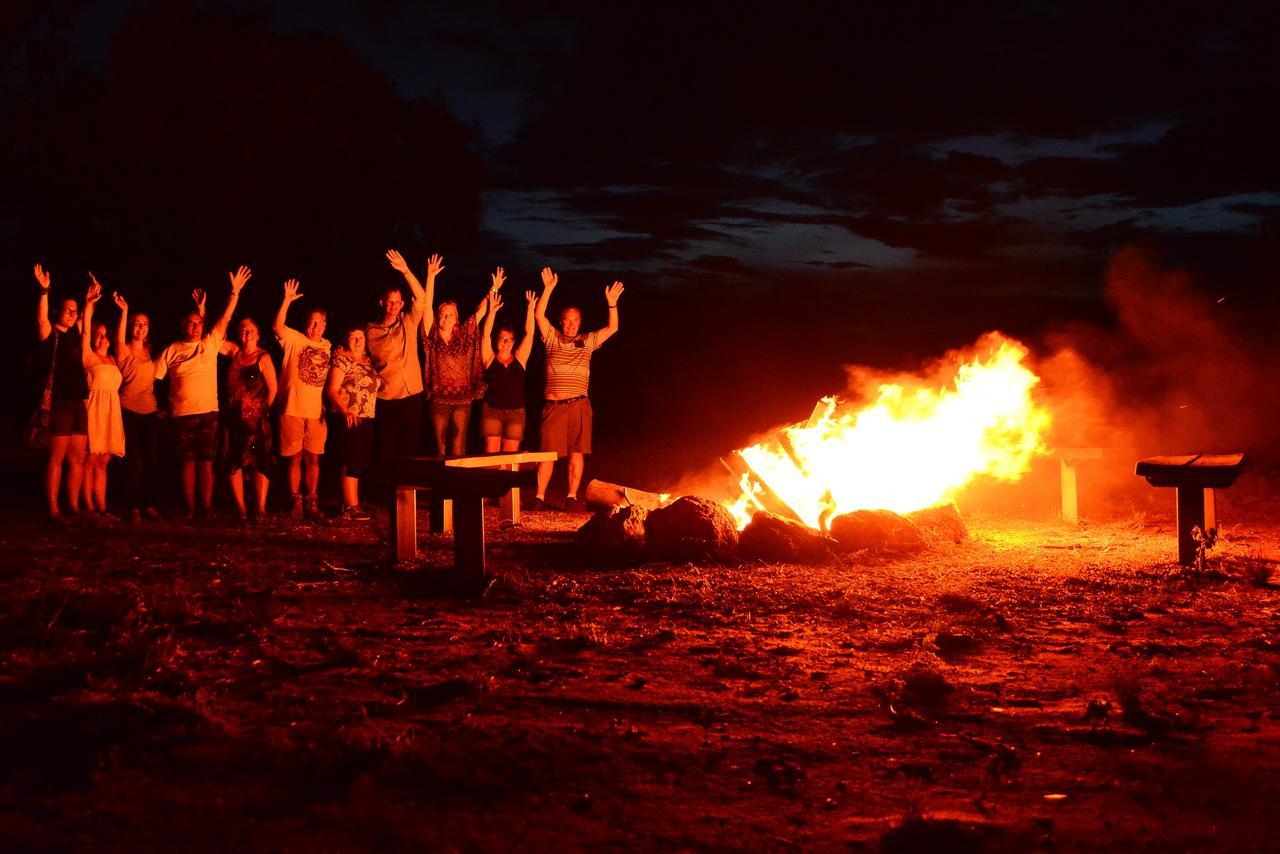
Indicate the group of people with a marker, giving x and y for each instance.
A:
(99, 398)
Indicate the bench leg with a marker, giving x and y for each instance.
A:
(509, 504)
(1070, 501)
(1191, 514)
(404, 523)
(468, 539)
(441, 516)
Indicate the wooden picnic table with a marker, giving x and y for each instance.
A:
(459, 485)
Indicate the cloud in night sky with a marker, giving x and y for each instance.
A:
(741, 139)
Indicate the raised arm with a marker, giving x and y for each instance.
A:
(43, 326)
(402, 267)
(423, 298)
(525, 348)
(238, 280)
(549, 282)
(496, 278)
(486, 334)
(611, 295)
(91, 298)
(292, 293)
(199, 297)
(122, 327)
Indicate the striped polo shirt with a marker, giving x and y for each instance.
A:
(568, 363)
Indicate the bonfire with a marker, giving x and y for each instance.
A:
(910, 443)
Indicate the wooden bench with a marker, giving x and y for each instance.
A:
(1195, 477)
(460, 485)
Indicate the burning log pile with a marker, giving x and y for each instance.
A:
(880, 476)
(696, 529)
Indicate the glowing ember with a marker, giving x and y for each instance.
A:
(917, 444)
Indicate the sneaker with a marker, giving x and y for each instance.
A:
(61, 520)
(295, 512)
(571, 505)
(538, 504)
(152, 513)
(355, 513)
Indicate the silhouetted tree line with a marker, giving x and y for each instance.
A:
(207, 140)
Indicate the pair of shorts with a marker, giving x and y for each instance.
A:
(68, 418)
(302, 434)
(566, 426)
(507, 423)
(353, 446)
(195, 437)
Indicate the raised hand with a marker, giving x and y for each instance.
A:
(611, 294)
(120, 301)
(435, 266)
(549, 279)
(497, 278)
(94, 293)
(198, 297)
(239, 279)
(397, 261)
(531, 297)
(292, 291)
(495, 302)
(43, 277)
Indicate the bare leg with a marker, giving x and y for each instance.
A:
(205, 469)
(263, 485)
(75, 469)
(544, 477)
(510, 445)
(575, 472)
(53, 470)
(189, 485)
(295, 473)
(100, 481)
(493, 443)
(313, 472)
(350, 489)
(87, 481)
(236, 479)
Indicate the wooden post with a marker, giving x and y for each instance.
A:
(441, 515)
(1191, 507)
(404, 522)
(1070, 498)
(509, 504)
(1210, 511)
(468, 539)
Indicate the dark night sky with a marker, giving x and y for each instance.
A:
(827, 138)
(883, 180)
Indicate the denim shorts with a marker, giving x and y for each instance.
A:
(507, 423)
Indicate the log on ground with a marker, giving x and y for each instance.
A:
(616, 532)
(876, 530)
(774, 538)
(691, 528)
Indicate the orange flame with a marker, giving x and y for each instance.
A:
(914, 446)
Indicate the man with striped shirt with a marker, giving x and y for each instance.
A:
(566, 412)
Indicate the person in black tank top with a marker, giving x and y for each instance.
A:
(502, 421)
(64, 389)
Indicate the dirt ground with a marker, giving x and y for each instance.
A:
(285, 687)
